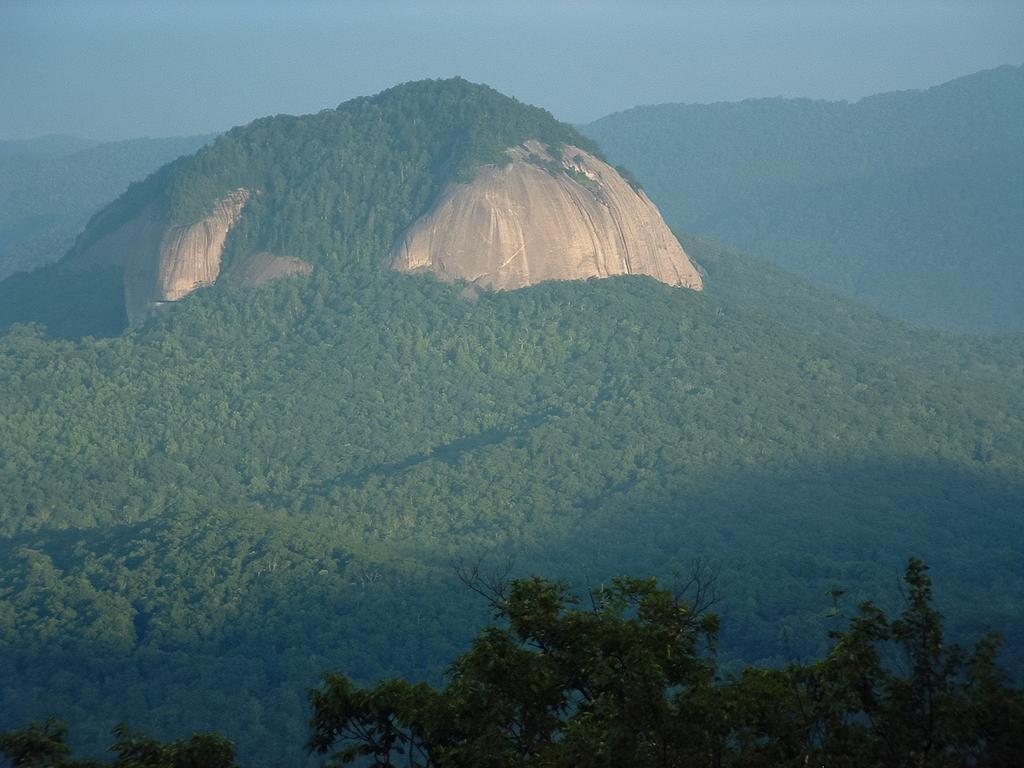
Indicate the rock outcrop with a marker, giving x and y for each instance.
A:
(544, 216)
(261, 268)
(187, 258)
(161, 262)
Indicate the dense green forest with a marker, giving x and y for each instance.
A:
(625, 674)
(201, 515)
(50, 186)
(909, 201)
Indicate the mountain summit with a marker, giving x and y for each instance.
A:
(468, 183)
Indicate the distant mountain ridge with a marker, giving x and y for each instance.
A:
(912, 201)
(48, 145)
(51, 185)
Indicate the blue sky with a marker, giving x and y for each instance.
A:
(110, 70)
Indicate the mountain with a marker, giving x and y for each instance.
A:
(50, 186)
(544, 211)
(205, 511)
(319, 190)
(910, 201)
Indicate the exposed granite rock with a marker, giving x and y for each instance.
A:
(165, 263)
(541, 218)
(190, 255)
(259, 269)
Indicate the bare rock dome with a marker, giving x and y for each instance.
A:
(546, 215)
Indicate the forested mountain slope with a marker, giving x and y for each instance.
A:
(911, 201)
(202, 517)
(335, 189)
(202, 514)
(50, 186)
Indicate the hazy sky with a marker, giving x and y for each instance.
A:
(123, 69)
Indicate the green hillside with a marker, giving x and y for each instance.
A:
(200, 516)
(335, 189)
(912, 201)
(50, 186)
(340, 180)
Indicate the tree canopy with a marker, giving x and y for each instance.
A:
(625, 674)
(628, 678)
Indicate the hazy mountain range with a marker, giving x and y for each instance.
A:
(908, 201)
(50, 186)
(264, 480)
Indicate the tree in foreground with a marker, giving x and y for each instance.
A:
(45, 746)
(626, 676)
(629, 680)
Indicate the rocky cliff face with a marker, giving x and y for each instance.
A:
(544, 216)
(161, 262)
(187, 258)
